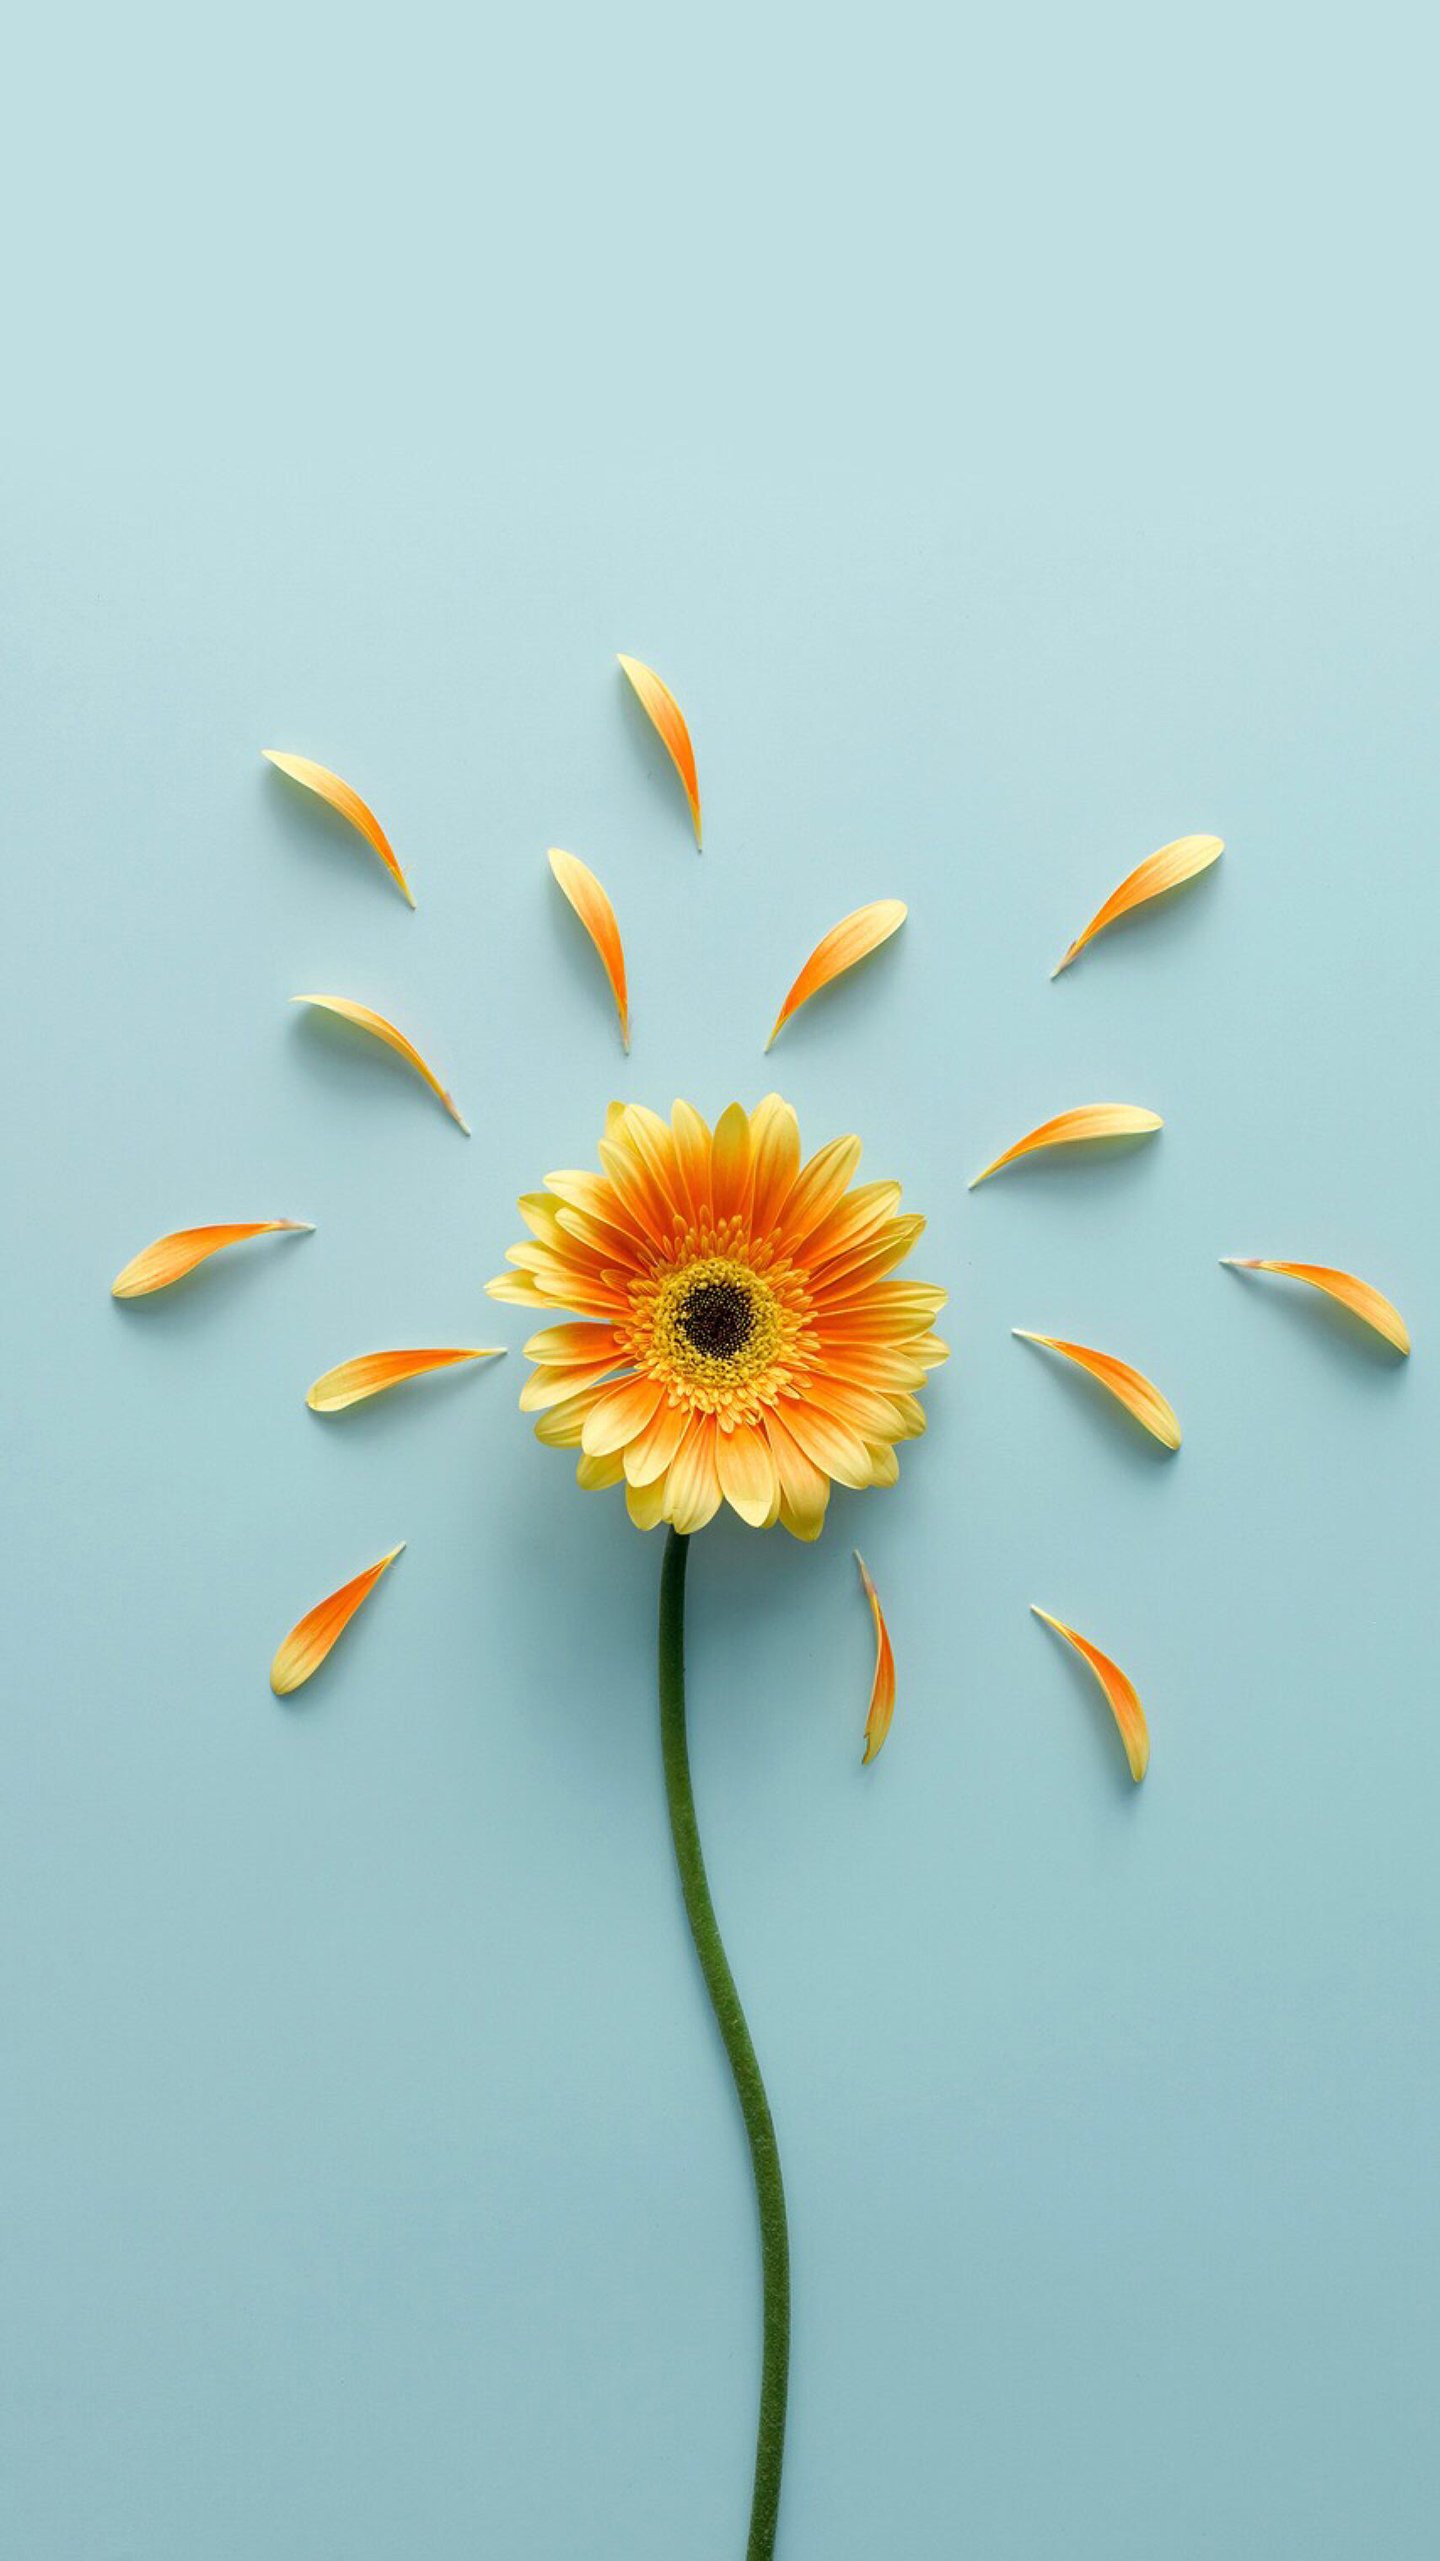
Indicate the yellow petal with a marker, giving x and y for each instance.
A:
(368, 1021)
(1135, 1392)
(579, 884)
(1070, 1129)
(328, 786)
(1120, 1695)
(1357, 1295)
(310, 1640)
(669, 720)
(852, 940)
(882, 1687)
(171, 1257)
(1150, 879)
(372, 1372)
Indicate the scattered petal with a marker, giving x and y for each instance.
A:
(668, 718)
(882, 1688)
(1357, 1295)
(852, 940)
(373, 1372)
(328, 786)
(1135, 1392)
(171, 1257)
(579, 884)
(310, 1640)
(1071, 1129)
(1120, 1695)
(1150, 879)
(368, 1021)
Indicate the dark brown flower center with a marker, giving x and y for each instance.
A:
(718, 1318)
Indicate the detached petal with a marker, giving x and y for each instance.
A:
(1072, 1129)
(1119, 1691)
(852, 940)
(668, 718)
(171, 1257)
(1150, 879)
(1134, 1390)
(366, 1020)
(882, 1687)
(579, 884)
(1357, 1295)
(328, 786)
(310, 1640)
(372, 1372)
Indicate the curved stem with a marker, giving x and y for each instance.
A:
(730, 2019)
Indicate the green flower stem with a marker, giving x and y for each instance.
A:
(730, 2019)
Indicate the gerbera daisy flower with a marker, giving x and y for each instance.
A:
(739, 1338)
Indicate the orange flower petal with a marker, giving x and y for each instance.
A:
(882, 1687)
(368, 1021)
(310, 1640)
(1120, 1695)
(669, 720)
(1150, 879)
(1070, 1129)
(1357, 1295)
(852, 940)
(328, 786)
(372, 1372)
(171, 1257)
(1134, 1390)
(579, 884)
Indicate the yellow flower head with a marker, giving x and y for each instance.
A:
(740, 1339)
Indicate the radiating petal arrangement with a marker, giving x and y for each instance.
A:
(1119, 1692)
(342, 797)
(1078, 1128)
(668, 720)
(852, 940)
(171, 1257)
(1357, 1295)
(371, 1373)
(1130, 1387)
(882, 1687)
(380, 1028)
(1160, 872)
(302, 1652)
(579, 885)
(739, 1339)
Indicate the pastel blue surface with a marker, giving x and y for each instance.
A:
(1015, 455)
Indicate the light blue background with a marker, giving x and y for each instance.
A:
(1017, 448)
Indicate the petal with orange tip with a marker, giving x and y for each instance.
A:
(310, 1640)
(667, 717)
(367, 1020)
(852, 940)
(1358, 1295)
(1150, 879)
(1133, 1389)
(591, 904)
(373, 1372)
(1073, 1129)
(882, 1687)
(1119, 1692)
(171, 1257)
(328, 786)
